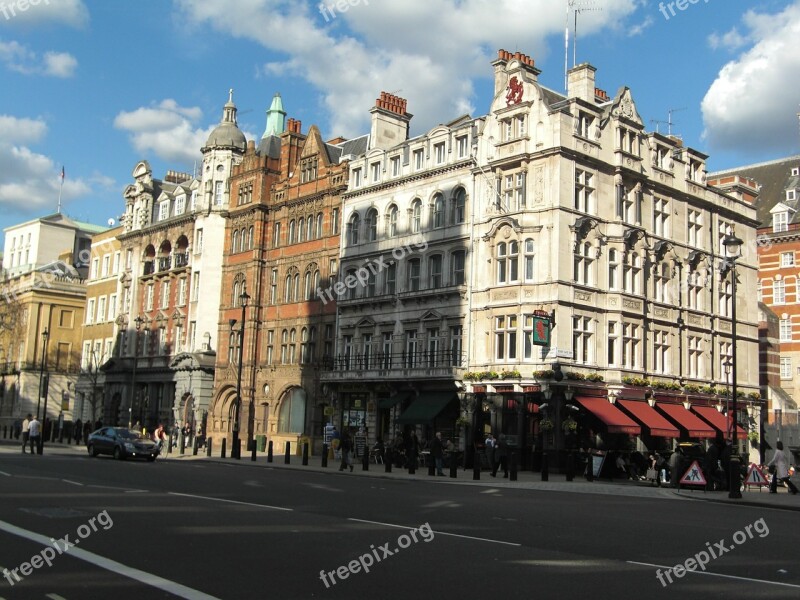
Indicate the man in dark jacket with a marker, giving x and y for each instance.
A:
(437, 452)
(500, 457)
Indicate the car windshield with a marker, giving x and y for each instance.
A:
(128, 434)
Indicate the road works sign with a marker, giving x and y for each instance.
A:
(693, 475)
(755, 476)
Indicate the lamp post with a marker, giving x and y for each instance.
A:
(138, 321)
(235, 449)
(467, 402)
(43, 385)
(733, 247)
(726, 366)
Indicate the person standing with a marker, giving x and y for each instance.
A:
(500, 457)
(25, 431)
(159, 435)
(781, 471)
(346, 445)
(77, 431)
(412, 456)
(34, 434)
(437, 452)
(489, 446)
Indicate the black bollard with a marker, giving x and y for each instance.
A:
(545, 467)
(570, 466)
(253, 451)
(286, 454)
(476, 468)
(194, 446)
(388, 458)
(224, 444)
(305, 454)
(453, 467)
(589, 467)
(431, 467)
(412, 466)
(324, 455)
(183, 444)
(208, 446)
(512, 472)
(269, 451)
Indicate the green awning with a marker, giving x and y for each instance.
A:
(425, 408)
(390, 402)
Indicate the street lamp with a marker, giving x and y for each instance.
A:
(236, 451)
(139, 321)
(43, 385)
(733, 248)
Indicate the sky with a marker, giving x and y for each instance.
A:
(94, 86)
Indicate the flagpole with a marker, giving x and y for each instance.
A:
(60, 189)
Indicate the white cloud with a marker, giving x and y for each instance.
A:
(59, 64)
(166, 129)
(640, 28)
(731, 40)
(72, 13)
(755, 97)
(30, 181)
(21, 59)
(389, 46)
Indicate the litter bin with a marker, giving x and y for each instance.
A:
(261, 443)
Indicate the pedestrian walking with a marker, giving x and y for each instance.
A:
(346, 446)
(34, 434)
(781, 471)
(412, 451)
(500, 457)
(77, 431)
(25, 431)
(159, 435)
(437, 452)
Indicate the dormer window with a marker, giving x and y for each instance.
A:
(795, 171)
(375, 172)
(439, 151)
(163, 210)
(695, 172)
(395, 164)
(780, 222)
(180, 205)
(661, 158)
(357, 177)
(628, 141)
(791, 194)
(584, 126)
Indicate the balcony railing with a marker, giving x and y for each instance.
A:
(164, 263)
(181, 260)
(149, 267)
(442, 363)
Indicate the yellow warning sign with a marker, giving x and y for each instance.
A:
(693, 475)
(755, 476)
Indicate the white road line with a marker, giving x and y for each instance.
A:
(468, 537)
(155, 581)
(55, 597)
(72, 482)
(4, 473)
(231, 501)
(791, 585)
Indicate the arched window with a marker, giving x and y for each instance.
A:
(296, 292)
(292, 411)
(502, 264)
(304, 346)
(276, 235)
(287, 289)
(371, 224)
(301, 232)
(352, 229)
(250, 238)
(438, 211)
(459, 206)
(310, 228)
(307, 290)
(529, 259)
(243, 240)
(416, 216)
(292, 231)
(292, 346)
(350, 275)
(235, 299)
(319, 226)
(284, 346)
(392, 220)
(315, 286)
(235, 242)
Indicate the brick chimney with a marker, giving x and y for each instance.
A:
(294, 126)
(390, 122)
(501, 71)
(580, 83)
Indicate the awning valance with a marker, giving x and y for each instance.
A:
(614, 418)
(647, 416)
(718, 420)
(694, 425)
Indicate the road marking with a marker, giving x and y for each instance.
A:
(72, 482)
(458, 535)
(155, 581)
(791, 585)
(231, 501)
(4, 473)
(55, 597)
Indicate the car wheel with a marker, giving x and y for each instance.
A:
(92, 450)
(151, 458)
(118, 454)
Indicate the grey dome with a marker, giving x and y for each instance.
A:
(227, 135)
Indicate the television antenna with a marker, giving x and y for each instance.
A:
(576, 8)
(669, 122)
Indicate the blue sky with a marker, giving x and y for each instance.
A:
(97, 85)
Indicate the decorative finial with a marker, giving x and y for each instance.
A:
(230, 95)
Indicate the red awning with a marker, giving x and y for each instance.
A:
(694, 426)
(614, 418)
(718, 420)
(647, 416)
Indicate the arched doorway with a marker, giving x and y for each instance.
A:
(292, 411)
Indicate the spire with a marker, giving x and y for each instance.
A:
(276, 118)
(229, 110)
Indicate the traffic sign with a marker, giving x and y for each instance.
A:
(755, 476)
(693, 475)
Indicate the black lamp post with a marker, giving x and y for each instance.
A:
(235, 448)
(733, 247)
(468, 402)
(43, 385)
(138, 322)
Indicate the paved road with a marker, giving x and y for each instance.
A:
(196, 529)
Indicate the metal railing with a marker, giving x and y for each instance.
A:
(384, 361)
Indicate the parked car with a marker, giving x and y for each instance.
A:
(121, 443)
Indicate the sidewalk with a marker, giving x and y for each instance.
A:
(525, 479)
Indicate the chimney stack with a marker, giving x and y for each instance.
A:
(390, 121)
(581, 83)
(501, 73)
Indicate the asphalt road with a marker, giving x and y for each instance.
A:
(199, 529)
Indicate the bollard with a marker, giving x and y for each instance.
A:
(476, 468)
(431, 466)
(365, 460)
(512, 472)
(305, 454)
(286, 453)
(183, 443)
(269, 451)
(589, 467)
(194, 446)
(545, 467)
(253, 451)
(453, 468)
(388, 458)
(61, 436)
(224, 443)
(412, 465)
(324, 455)
(570, 466)
(208, 447)
(5, 431)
